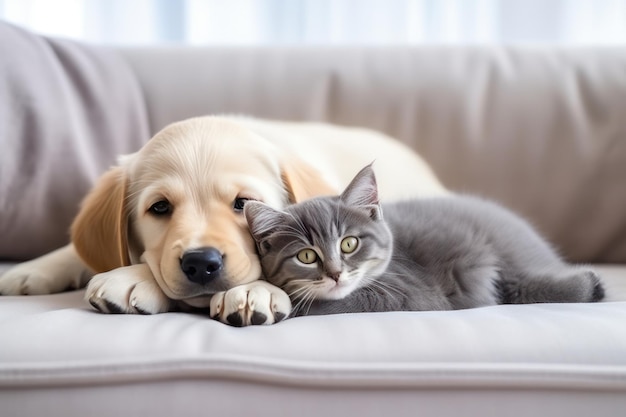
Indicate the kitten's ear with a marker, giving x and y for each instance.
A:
(375, 211)
(362, 191)
(262, 219)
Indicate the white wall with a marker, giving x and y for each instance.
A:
(365, 22)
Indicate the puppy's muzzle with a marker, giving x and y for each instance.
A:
(202, 265)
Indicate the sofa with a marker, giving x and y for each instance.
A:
(540, 129)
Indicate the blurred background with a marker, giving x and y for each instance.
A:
(324, 22)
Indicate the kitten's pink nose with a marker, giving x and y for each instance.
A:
(334, 275)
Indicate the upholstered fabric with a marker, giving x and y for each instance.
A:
(57, 345)
(66, 111)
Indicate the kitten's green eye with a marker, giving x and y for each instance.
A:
(307, 256)
(349, 244)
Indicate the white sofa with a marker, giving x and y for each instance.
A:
(541, 130)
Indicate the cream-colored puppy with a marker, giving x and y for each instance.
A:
(165, 225)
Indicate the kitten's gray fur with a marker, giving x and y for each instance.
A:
(428, 254)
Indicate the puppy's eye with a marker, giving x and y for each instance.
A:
(239, 203)
(349, 244)
(307, 256)
(161, 208)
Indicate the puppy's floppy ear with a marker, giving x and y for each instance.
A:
(99, 232)
(302, 181)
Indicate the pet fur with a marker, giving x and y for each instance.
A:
(200, 167)
(422, 254)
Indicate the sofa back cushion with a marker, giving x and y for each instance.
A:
(542, 130)
(66, 111)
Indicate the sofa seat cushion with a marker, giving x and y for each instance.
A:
(58, 343)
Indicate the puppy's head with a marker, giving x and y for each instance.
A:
(177, 205)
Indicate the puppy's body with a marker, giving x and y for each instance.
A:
(336, 151)
(146, 222)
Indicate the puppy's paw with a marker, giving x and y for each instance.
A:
(128, 290)
(49, 274)
(256, 303)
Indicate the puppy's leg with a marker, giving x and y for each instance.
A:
(130, 290)
(258, 302)
(55, 272)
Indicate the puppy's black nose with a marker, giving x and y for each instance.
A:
(202, 265)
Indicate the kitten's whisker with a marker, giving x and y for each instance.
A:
(298, 292)
(301, 294)
(390, 287)
(297, 307)
(311, 300)
(307, 298)
(386, 288)
(372, 285)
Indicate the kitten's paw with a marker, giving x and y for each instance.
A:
(572, 286)
(597, 292)
(251, 304)
(127, 290)
(507, 292)
(584, 286)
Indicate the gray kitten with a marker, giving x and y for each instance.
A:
(338, 254)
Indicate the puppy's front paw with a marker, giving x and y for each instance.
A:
(251, 304)
(128, 290)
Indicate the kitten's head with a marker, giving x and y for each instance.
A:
(326, 247)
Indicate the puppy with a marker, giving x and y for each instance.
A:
(166, 224)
